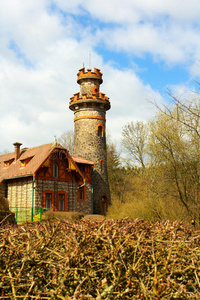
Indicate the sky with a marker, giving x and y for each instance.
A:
(144, 48)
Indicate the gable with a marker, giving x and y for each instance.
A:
(32, 160)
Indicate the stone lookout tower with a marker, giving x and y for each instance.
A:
(90, 106)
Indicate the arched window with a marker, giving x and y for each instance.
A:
(100, 131)
(55, 170)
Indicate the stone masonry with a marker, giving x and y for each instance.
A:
(90, 106)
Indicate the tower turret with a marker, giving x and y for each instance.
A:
(90, 106)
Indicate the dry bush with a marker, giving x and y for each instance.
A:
(95, 217)
(61, 215)
(111, 260)
(4, 204)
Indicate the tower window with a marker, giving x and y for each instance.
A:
(100, 131)
(55, 170)
(95, 90)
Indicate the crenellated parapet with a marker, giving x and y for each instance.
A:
(84, 96)
(96, 74)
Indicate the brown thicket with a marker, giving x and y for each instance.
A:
(107, 259)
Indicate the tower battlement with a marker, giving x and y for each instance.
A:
(84, 96)
(82, 74)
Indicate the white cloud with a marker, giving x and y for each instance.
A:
(129, 97)
(132, 11)
(34, 96)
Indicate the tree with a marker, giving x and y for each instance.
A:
(134, 136)
(173, 173)
(117, 175)
(67, 140)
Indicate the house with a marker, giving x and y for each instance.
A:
(46, 176)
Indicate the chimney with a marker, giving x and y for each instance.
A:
(17, 150)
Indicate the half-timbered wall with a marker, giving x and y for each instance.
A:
(19, 192)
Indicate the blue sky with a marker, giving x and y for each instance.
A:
(143, 48)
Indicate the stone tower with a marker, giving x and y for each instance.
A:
(90, 106)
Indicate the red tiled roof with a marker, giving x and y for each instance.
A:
(82, 160)
(37, 154)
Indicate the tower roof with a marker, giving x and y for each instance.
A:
(96, 74)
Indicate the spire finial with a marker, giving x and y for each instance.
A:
(90, 59)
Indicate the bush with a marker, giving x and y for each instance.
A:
(7, 217)
(62, 215)
(4, 204)
(95, 217)
(90, 260)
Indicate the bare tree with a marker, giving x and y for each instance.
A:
(67, 140)
(134, 137)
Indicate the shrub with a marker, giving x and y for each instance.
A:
(7, 217)
(109, 260)
(62, 215)
(95, 217)
(4, 204)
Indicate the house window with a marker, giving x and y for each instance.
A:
(48, 200)
(81, 193)
(23, 163)
(55, 170)
(61, 202)
(101, 163)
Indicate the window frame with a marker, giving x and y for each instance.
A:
(63, 201)
(81, 193)
(47, 199)
(55, 170)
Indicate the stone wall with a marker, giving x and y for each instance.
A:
(85, 207)
(88, 85)
(20, 193)
(70, 188)
(89, 145)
